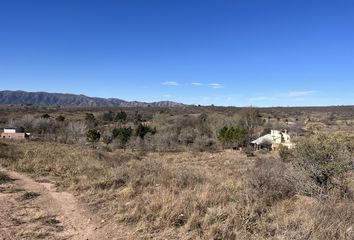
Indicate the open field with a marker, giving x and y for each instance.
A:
(164, 183)
(185, 195)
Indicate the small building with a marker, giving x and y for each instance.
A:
(13, 133)
(274, 140)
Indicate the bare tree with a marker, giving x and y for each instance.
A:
(76, 130)
(27, 122)
(250, 120)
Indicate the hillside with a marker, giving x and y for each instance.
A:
(61, 99)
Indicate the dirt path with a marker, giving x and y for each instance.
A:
(33, 210)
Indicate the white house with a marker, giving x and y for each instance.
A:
(274, 139)
(13, 133)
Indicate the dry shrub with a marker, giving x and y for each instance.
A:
(326, 159)
(8, 151)
(271, 180)
(4, 178)
(333, 219)
(195, 195)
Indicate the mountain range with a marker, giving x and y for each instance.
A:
(63, 99)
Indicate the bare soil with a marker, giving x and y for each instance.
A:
(36, 210)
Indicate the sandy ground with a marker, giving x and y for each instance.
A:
(35, 210)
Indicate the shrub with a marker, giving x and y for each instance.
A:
(285, 153)
(90, 120)
(187, 136)
(123, 134)
(75, 130)
(60, 118)
(232, 136)
(46, 115)
(121, 117)
(271, 180)
(106, 139)
(323, 157)
(142, 130)
(93, 136)
(108, 116)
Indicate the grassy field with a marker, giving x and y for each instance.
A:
(190, 195)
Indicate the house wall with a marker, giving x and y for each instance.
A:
(9, 130)
(13, 135)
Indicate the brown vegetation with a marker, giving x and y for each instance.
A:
(165, 175)
(191, 195)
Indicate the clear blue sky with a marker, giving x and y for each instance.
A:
(250, 52)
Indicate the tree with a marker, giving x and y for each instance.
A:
(324, 157)
(93, 136)
(46, 116)
(90, 119)
(108, 116)
(137, 118)
(123, 135)
(232, 136)
(121, 117)
(76, 130)
(142, 130)
(250, 120)
(107, 140)
(60, 118)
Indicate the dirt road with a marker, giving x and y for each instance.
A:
(33, 210)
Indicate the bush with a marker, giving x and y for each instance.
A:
(75, 131)
(90, 120)
(46, 115)
(323, 157)
(123, 135)
(285, 153)
(142, 130)
(121, 117)
(108, 116)
(60, 118)
(232, 136)
(271, 181)
(93, 136)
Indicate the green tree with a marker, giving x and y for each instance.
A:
(46, 116)
(137, 118)
(60, 118)
(93, 136)
(142, 130)
(232, 136)
(90, 119)
(121, 117)
(123, 134)
(324, 157)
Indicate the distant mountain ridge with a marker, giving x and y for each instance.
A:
(63, 99)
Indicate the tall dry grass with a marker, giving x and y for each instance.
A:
(191, 195)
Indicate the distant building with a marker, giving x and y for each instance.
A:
(13, 133)
(274, 140)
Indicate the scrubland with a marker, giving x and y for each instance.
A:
(203, 195)
(173, 176)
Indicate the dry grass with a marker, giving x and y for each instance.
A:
(191, 195)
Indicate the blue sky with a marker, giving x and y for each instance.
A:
(250, 52)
